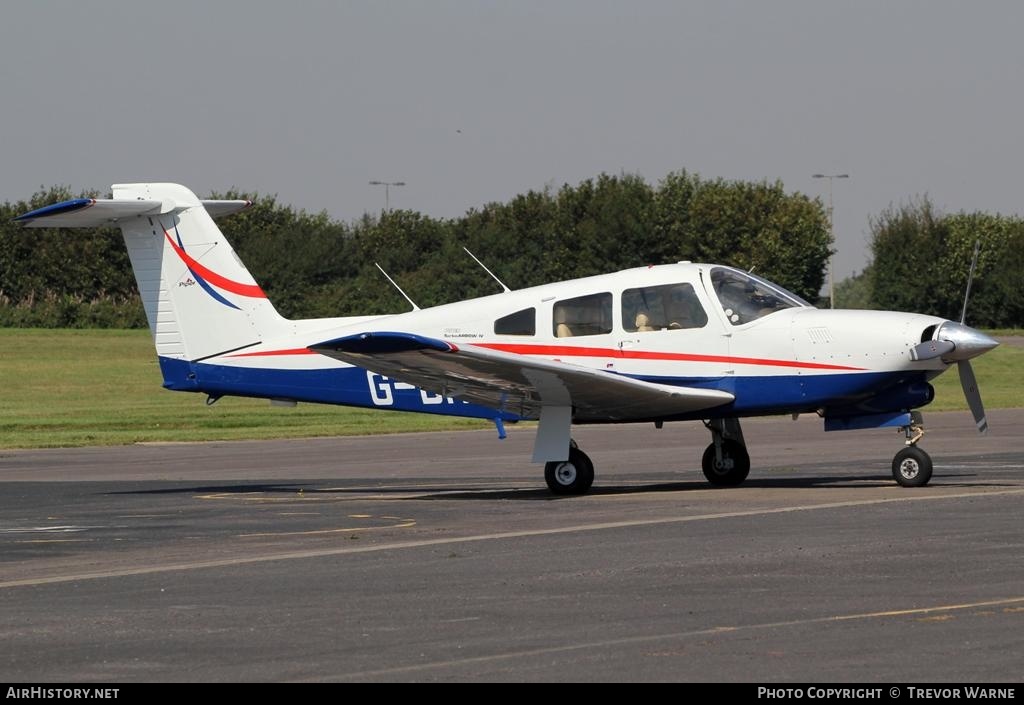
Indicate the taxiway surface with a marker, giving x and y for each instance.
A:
(443, 557)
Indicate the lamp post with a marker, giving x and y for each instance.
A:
(387, 191)
(832, 237)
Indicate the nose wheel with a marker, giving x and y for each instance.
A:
(912, 467)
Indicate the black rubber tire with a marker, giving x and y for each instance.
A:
(912, 467)
(572, 476)
(734, 468)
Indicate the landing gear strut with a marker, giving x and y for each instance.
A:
(572, 476)
(725, 462)
(912, 467)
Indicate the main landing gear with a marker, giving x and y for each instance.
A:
(726, 461)
(912, 467)
(572, 476)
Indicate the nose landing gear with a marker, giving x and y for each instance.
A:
(912, 467)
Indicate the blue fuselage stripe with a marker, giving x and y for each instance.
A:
(354, 386)
(346, 386)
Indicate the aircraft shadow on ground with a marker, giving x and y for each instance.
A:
(414, 492)
(834, 483)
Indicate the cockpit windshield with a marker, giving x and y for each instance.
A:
(746, 298)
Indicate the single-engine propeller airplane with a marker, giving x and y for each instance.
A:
(672, 342)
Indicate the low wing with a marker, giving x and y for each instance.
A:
(97, 212)
(515, 383)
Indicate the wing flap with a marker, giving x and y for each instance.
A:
(515, 383)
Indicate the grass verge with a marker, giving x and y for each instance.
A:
(102, 387)
(66, 388)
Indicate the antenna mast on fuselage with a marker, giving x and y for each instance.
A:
(411, 302)
(501, 283)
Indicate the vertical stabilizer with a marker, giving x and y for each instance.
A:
(199, 298)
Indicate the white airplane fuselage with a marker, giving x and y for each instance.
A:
(794, 360)
(660, 343)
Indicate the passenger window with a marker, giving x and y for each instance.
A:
(584, 315)
(667, 307)
(519, 323)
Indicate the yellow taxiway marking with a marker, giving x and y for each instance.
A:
(669, 636)
(350, 494)
(477, 538)
(321, 532)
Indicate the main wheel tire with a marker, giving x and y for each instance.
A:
(733, 469)
(912, 467)
(572, 476)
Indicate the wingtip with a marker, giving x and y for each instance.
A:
(55, 209)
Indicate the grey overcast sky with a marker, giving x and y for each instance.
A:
(477, 101)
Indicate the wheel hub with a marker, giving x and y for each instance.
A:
(566, 474)
(909, 468)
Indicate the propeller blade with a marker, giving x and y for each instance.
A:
(931, 349)
(970, 385)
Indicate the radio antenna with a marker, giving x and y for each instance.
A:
(970, 279)
(501, 283)
(411, 302)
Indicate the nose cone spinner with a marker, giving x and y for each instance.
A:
(967, 342)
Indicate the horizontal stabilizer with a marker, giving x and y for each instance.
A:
(98, 212)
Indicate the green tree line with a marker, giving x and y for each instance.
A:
(921, 260)
(313, 266)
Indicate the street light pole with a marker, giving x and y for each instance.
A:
(387, 191)
(832, 237)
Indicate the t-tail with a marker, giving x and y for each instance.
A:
(199, 298)
(214, 328)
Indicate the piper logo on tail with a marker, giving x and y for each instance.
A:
(207, 278)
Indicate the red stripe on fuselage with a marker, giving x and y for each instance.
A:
(269, 353)
(250, 290)
(573, 351)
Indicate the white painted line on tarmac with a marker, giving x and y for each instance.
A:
(935, 612)
(499, 536)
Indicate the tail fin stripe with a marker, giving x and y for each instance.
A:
(212, 292)
(202, 273)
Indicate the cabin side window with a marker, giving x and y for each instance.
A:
(583, 315)
(519, 323)
(667, 307)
